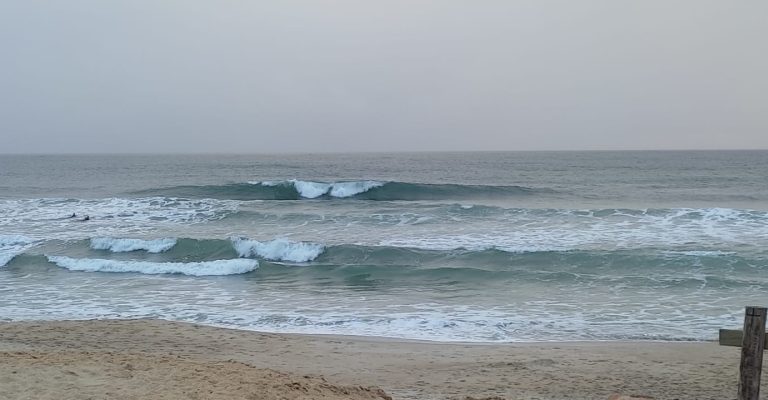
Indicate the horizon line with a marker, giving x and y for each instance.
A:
(223, 153)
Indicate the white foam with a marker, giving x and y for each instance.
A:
(11, 246)
(205, 268)
(6, 257)
(702, 253)
(268, 183)
(522, 230)
(348, 189)
(278, 249)
(109, 216)
(313, 190)
(120, 245)
(11, 240)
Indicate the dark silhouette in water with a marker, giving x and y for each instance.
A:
(87, 218)
(72, 216)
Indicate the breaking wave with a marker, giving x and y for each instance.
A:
(118, 245)
(186, 248)
(11, 246)
(294, 189)
(311, 190)
(278, 249)
(206, 268)
(240, 255)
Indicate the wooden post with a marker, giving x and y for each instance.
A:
(752, 347)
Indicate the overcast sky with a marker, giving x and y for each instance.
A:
(363, 75)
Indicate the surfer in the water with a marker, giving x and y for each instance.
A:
(86, 218)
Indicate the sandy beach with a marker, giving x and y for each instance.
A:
(142, 359)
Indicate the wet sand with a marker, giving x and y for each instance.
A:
(155, 359)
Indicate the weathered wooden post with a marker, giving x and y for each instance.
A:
(752, 346)
(752, 340)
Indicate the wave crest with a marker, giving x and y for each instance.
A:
(313, 190)
(122, 245)
(278, 249)
(13, 240)
(11, 246)
(294, 189)
(205, 268)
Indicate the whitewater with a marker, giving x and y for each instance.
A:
(476, 247)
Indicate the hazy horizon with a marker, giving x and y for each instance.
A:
(192, 77)
(299, 153)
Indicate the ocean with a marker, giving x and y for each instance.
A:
(470, 247)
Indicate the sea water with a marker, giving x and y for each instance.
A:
(476, 247)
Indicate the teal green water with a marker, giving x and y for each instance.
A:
(478, 247)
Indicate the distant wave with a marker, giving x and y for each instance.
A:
(206, 268)
(312, 190)
(361, 190)
(118, 245)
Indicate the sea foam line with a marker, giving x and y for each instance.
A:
(205, 268)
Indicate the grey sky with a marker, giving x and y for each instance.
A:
(318, 76)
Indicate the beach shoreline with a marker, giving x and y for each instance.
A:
(203, 362)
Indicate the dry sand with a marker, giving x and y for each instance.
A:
(153, 359)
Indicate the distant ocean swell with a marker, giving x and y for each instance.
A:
(475, 247)
(360, 190)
